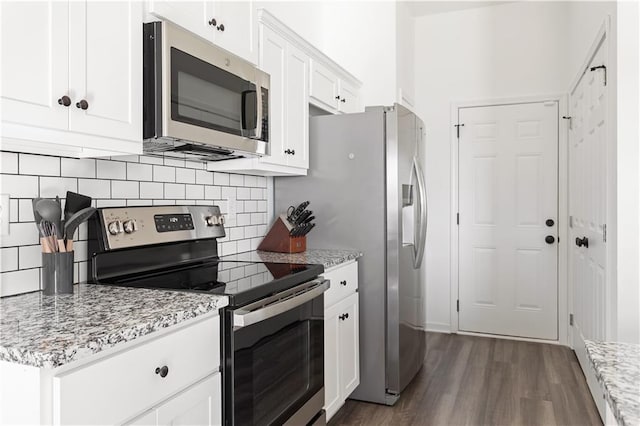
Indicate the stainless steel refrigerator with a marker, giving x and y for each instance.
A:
(367, 192)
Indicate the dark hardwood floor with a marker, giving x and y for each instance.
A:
(482, 381)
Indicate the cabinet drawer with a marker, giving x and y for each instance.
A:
(344, 281)
(114, 389)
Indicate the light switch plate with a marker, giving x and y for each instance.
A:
(5, 217)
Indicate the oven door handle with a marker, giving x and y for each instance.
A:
(245, 316)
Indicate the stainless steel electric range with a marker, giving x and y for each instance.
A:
(273, 329)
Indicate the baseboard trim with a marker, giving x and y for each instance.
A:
(438, 327)
(499, 336)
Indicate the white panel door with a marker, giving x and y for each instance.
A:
(587, 208)
(235, 30)
(323, 88)
(35, 62)
(194, 16)
(297, 107)
(273, 59)
(508, 190)
(105, 68)
(349, 101)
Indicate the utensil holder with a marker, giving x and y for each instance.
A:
(57, 273)
(278, 239)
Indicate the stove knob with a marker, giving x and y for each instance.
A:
(211, 220)
(115, 227)
(221, 219)
(130, 226)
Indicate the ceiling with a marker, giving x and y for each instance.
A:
(421, 8)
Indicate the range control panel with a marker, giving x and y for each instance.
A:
(124, 227)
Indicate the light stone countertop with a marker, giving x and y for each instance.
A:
(50, 331)
(617, 368)
(327, 257)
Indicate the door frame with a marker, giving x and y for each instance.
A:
(563, 207)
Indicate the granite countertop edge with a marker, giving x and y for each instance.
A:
(605, 357)
(65, 353)
(329, 258)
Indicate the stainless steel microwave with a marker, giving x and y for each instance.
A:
(200, 100)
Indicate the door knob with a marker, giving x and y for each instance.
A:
(550, 223)
(82, 104)
(65, 100)
(582, 242)
(549, 239)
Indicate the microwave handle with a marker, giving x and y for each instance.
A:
(258, 112)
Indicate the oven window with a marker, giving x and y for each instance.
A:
(278, 366)
(207, 96)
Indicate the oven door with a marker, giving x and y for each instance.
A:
(277, 359)
(211, 96)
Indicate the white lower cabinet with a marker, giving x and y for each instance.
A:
(341, 337)
(171, 378)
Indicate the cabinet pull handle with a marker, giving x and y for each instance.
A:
(213, 22)
(220, 27)
(338, 97)
(293, 152)
(65, 101)
(343, 282)
(288, 151)
(162, 371)
(82, 104)
(344, 316)
(343, 100)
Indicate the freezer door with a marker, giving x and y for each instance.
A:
(406, 232)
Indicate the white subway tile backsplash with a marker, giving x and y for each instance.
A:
(139, 172)
(25, 210)
(20, 234)
(174, 190)
(42, 165)
(164, 174)
(84, 167)
(195, 191)
(95, 188)
(120, 181)
(52, 186)
(124, 189)
(185, 176)
(204, 177)
(18, 186)
(106, 169)
(19, 282)
(244, 193)
(220, 179)
(236, 180)
(257, 194)
(151, 190)
(8, 162)
(30, 256)
(8, 259)
(150, 160)
(212, 192)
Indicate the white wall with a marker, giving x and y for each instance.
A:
(509, 50)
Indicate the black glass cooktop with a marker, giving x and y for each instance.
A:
(243, 282)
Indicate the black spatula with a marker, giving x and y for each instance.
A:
(75, 203)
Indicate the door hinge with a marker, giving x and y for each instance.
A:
(458, 305)
(457, 126)
(457, 218)
(604, 233)
(601, 67)
(570, 319)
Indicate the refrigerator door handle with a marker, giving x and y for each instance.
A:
(422, 224)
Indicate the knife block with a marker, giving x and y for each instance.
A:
(278, 239)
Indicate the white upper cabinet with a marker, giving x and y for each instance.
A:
(333, 89)
(109, 84)
(228, 24)
(349, 98)
(33, 82)
(72, 77)
(297, 107)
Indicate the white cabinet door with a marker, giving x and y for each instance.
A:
(235, 30)
(349, 100)
(200, 404)
(349, 346)
(332, 394)
(323, 87)
(34, 62)
(105, 68)
(297, 106)
(273, 61)
(194, 16)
